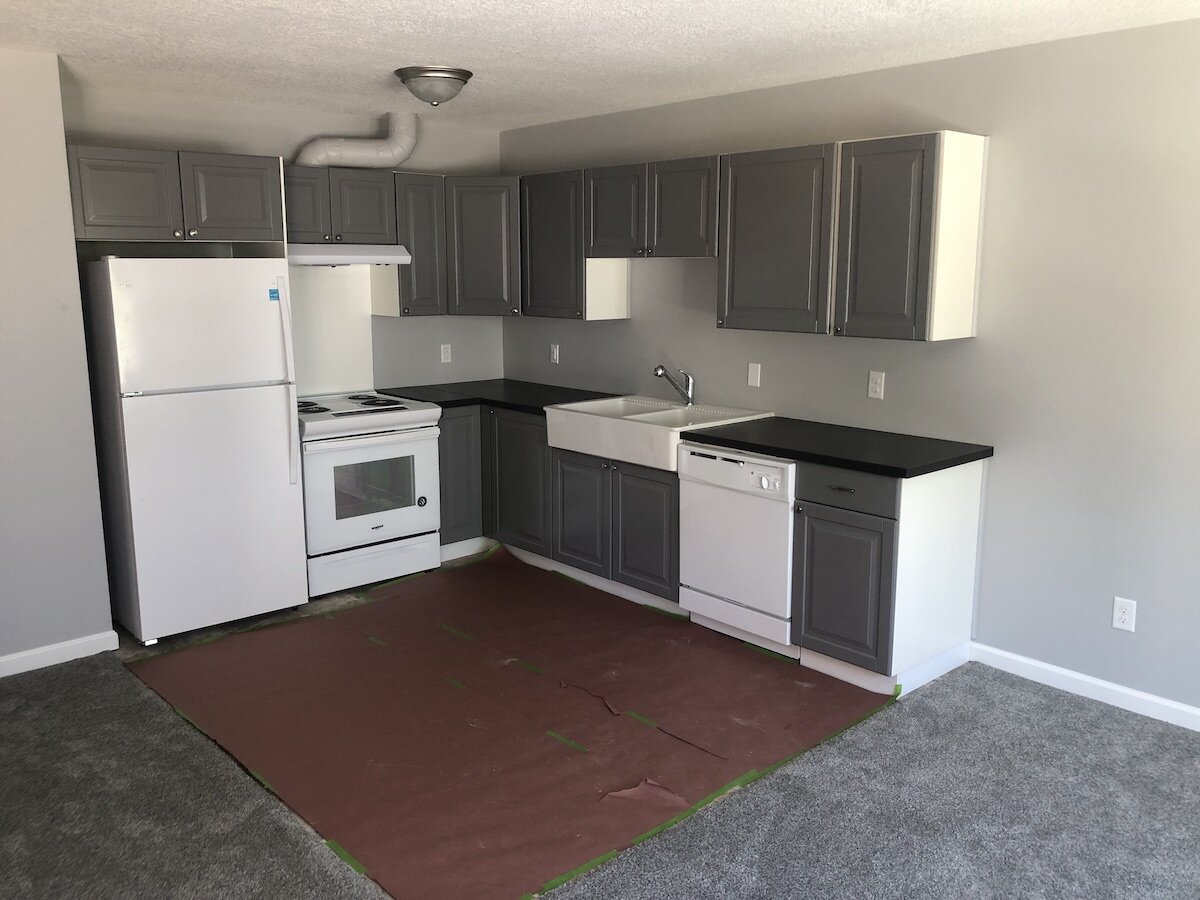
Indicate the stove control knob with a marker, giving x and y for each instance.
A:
(764, 482)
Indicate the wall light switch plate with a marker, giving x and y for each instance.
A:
(554, 353)
(445, 353)
(1124, 613)
(754, 375)
(875, 385)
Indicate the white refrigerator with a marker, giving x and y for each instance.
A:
(193, 387)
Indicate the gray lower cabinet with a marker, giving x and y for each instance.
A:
(483, 234)
(125, 195)
(653, 209)
(617, 521)
(844, 584)
(552, 245)
(231, 198)
(363, 206)
(776, 239)
(421, 216)
(460, 460)
(885, 225)
(517, 488)
(306, 192)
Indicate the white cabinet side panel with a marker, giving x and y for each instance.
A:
(935, 563)
(331, 327)
(958, 218)
(607, 289)
(218, 529)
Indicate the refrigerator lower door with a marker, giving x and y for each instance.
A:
(216, 511)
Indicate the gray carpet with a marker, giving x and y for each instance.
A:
(978, 785)
(105, 792)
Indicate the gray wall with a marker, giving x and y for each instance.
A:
(53, 585)
(1088, 323)
(409, 351)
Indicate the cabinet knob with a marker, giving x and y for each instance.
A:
(337, 237)
(516, 311)
(326, 237)
(720, 323)
(193, 232)
(177, 233)
(604, 465)
(579, 315)
(649, 251)
(641, 251)
(837, 329)
(404, 311)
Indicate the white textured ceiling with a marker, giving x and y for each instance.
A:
(534, 60)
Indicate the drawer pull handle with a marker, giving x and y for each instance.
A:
(840, 487)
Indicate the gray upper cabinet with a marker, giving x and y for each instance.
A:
(653, 209)
(231, 198)
(363, 206)
(460, 464)
(552, 250)
(125, 195)
(483, 233)
(615, 211)
(306, 196)
(776, 239)
(646, 529)
(421, 214)
(582, 511)
(518, 488)
(681, 214)
(844, 583)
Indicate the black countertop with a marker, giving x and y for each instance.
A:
(881, 452)
(523, 396)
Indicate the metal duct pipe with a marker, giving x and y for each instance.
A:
(365, 153)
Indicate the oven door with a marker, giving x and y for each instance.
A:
(370, 488)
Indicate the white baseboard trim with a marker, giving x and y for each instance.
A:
(469, 547)
(52, 654)
(1074, 682)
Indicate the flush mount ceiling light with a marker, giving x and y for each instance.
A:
(433, 84)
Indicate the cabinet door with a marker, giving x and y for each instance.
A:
(885, 223)
(363, 206)
(615, 211)
(646, 529)
(421, 216)
(306, 198)
(682, 207)
(484, 248)
(231, 198)
(518, 468)
(776, 238)
(582, 488)
(460, 474)
(125, 195)
(844, 581)
(552, 245)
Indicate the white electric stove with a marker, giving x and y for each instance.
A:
(371, 506)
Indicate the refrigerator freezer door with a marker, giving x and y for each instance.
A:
(217, 523)
(182, 324)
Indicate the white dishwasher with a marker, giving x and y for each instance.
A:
(735, 539)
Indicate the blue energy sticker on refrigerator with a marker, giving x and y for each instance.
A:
(273, 294)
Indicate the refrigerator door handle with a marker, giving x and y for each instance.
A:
(285, 315)
(293, 436)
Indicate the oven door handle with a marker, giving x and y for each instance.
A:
(332, 445)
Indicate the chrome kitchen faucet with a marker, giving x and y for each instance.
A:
(687, 390)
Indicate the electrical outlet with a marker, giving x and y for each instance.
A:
(754, 375)
(875, 385)
(445, 353)
(554, 353)
(1124, 613)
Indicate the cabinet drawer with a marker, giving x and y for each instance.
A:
(865, 492)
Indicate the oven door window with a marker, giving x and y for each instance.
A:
(375, 486)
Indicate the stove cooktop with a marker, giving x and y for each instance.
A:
(361, 412)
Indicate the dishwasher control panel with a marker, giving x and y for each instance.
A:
(764, 476)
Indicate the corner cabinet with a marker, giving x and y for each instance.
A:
(776, 239)
(159, 195)
(517, 488)
(617, 520)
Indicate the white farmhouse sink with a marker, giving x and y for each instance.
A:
(641, 430)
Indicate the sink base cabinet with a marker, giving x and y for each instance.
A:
(516, 469)
(617, 521)
(883, 593)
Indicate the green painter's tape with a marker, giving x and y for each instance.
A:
(187, 718)
(566, 740)
(765, 652)
(375, 640)
(384, 584)
(346, 857)
(665, 612)
(741, 781)
(897, 690)
(454, 681)
(456, 632)
(530, 666)
(330, 616)
(638, 717)
(575, 873)
(262, 781)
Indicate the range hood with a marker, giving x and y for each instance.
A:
(347, 254)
